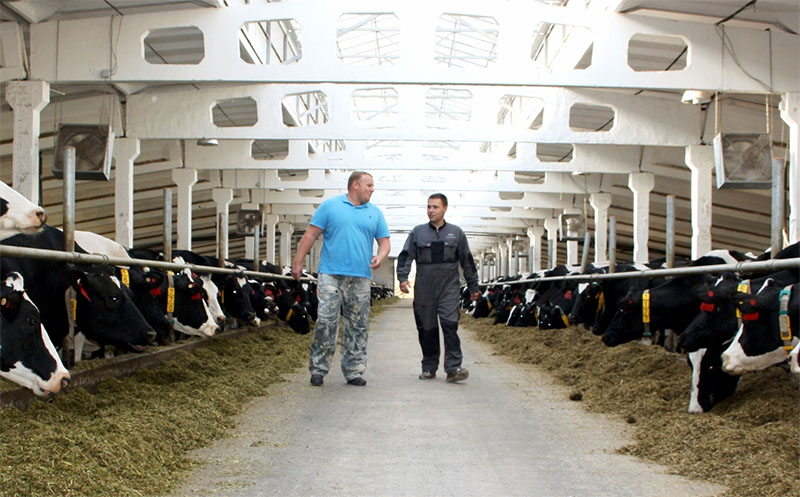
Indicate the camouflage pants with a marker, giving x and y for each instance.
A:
(351, 294)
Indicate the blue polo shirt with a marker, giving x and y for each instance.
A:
(348, 232)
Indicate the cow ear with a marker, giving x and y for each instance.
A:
(76, 277)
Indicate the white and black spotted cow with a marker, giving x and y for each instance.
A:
(18, 214)
(27, 356)
(758, 344)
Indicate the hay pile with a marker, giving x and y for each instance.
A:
(750, 442)
(131, 437)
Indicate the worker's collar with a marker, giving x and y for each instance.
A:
(444, 223)
(347, 200)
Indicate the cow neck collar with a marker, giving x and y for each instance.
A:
(783, 318)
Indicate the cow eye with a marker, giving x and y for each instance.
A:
(32, 321)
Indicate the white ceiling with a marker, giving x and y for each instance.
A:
(419, 126)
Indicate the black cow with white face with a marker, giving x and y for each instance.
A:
(290, 310)
(235, 298)
(758, 343)
(27, 356)
(111, 317)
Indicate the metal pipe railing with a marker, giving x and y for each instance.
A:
(738, 267)
(79, 258)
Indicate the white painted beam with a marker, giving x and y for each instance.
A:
(79, 51)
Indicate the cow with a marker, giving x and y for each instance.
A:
(18, 215)
(235, 300)
(111, 317)
(794, 364)
(710, 384)
(760, 341)
(290, 310)
(27, 355)
(669, 305)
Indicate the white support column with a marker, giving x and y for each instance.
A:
(535, 236)
(126, 150)
(551, 225)
(222, 198)
(27, 98)
(185, 179)
(790, 113)
(572, 245)
(641, 184)
(700, 160)
(270, 221)
(512, 257)
(600, 203)
(250, 240)
(286, 230)
(500, 266)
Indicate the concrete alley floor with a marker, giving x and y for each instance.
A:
(506, 431)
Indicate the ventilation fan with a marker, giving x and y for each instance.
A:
(743, 160)
(572, 227)
(247, 220)
(94, 145)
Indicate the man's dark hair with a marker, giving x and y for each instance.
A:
(441, 197)
(355, 176)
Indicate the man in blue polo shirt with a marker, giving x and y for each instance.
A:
(348, 224)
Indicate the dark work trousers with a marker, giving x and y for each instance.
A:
(436, 297)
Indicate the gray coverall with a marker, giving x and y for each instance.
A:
(438, 253)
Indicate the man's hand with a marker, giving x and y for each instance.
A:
(404, 287)
(476, 296)
(375, 263)
(297, 271)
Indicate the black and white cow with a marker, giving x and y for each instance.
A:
(27, 356)
(758, 344)
(234, 299)
(18, 214)
(670, 305)
(111, 317)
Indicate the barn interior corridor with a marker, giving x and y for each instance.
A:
(506, 431)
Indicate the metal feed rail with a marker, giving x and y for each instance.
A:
(744, 266)
(78, 258)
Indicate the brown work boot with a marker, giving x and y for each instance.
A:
(457, 375)
(427, 375)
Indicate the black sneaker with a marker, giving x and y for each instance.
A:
(357, 381)
(316, 380)
(457, 375)
(427, 375)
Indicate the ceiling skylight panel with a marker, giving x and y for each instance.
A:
(371, 38)
(463, 40)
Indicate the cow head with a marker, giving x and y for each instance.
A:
(757, 344)
(144, 283)
(587, 304)
(627, 322)
(236, 299)
(27, 356)
(105, 311)
(190, 314)
(710, 384)
(18, 214)
(716, 321)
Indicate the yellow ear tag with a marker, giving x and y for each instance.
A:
(289, 315)
(74, 305)
(646, 306)
(126, 278)
(171, 299)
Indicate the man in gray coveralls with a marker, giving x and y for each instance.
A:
(438, 248)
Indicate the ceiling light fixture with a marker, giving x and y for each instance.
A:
(696, 97)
